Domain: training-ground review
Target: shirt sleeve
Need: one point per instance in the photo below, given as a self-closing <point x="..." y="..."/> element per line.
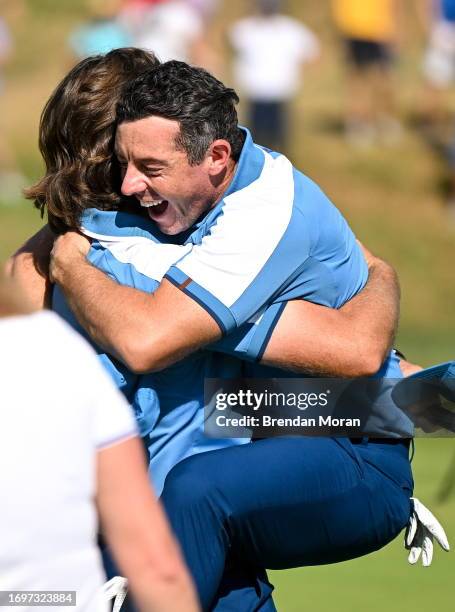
<point x="251" y="253"/>
<point x="105" y="412"/>
<point x="112" y="418"/>
<point x="250" y="340"/>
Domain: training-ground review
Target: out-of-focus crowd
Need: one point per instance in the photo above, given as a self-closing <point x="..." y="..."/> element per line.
<point x="269" y="49"/>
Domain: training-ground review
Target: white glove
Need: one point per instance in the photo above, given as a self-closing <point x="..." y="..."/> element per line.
<point x="423" y="526"/>
<point x="116" y="588"/>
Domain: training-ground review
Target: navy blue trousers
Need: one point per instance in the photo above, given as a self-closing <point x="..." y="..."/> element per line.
<point x="283" y="503"/>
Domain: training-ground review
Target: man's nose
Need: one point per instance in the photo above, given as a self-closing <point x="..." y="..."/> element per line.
<point x="133" y="182"/>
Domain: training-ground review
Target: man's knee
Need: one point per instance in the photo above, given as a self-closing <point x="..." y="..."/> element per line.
<point x="190" y="483"/>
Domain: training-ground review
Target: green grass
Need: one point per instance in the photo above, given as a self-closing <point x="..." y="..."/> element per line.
<point x="392" y="200"/>
<point x="17" y="222"/>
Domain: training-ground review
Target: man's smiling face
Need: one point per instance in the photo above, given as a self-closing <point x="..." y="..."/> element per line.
<point x="158" y="174"/>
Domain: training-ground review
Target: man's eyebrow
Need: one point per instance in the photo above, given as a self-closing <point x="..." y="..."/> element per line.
<point x="145" y="160"/>
<point x="152" y="160"/>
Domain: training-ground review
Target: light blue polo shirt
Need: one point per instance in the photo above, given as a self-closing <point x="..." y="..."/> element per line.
<point x="273" y="237"/>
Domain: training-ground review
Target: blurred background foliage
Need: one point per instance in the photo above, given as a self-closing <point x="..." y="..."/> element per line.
<point x="393" y="197"/>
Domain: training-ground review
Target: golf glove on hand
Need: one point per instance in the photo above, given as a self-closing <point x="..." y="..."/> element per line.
<point x="115" y="591"/>
<point x="422" y="529"/>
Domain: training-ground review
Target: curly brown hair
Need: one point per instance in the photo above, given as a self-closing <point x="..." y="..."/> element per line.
<point x="76" y="136"/>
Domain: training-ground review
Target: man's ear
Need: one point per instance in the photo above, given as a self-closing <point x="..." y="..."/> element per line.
<point x="218" y="156"/>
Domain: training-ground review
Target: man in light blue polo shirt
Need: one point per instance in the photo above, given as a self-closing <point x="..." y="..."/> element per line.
<point x="168" y="405"/>
<point x="264" y="234"/>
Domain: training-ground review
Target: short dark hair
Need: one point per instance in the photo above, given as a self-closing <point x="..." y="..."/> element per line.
<point x="203" y="106"/>
<point x="76" y="137"/>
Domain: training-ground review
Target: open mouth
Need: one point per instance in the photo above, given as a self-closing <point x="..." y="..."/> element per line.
<point x="155" y="209"/>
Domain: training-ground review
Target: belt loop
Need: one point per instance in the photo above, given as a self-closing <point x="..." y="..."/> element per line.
<point x="365" y="439"/>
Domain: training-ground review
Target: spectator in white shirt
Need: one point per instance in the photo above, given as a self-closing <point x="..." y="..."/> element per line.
<point x="69" y="449"/>
<point x="270" y="49"/>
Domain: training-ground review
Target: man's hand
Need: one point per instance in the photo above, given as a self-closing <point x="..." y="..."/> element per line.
<point x="68" y="249"/>
<point x="145" y="331"/>
<point x="115" y="589"/>
<point x="422" y="528"/>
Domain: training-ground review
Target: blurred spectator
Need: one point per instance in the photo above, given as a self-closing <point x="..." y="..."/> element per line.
<point x="5" y="44"/>
<point x="369" y="29"/>
<point x="450" y="202"/>
<point x="11" y="181"/>
<point x="5" y="51"/>
<point x="270" y="50"/>
<point x="206" y="8"/>
<point x="136" y="8"/>
<point x="172" y="29"/>
<point x="132" y="13"/>
<point x="438" y="20"/>
<point x="66" y="446"/>
<point x="102" y="33"/>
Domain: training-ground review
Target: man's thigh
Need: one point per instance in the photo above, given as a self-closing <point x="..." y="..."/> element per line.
<point x="287" y="502"/>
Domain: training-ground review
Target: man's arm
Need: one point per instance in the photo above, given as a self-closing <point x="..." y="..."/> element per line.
<point x="149" y="332"/>
<point x="351" y="341"/>
<point x="29" y="267"/>
<point x="146" y="332"/>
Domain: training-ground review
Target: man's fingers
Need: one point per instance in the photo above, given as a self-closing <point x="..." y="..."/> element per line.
<point x="439" y="534"/>
<point x="427" y="550"/>
<point x="68" y="248"/>
<point x="422" y="529"/>
<point x="411" y="530"/>
<point x="116" y="589"/>
<point x="114" y="586"/>
<point x="417" y="542"/>
<point x="431" y="523"/>
<point x="414" y="554"/>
